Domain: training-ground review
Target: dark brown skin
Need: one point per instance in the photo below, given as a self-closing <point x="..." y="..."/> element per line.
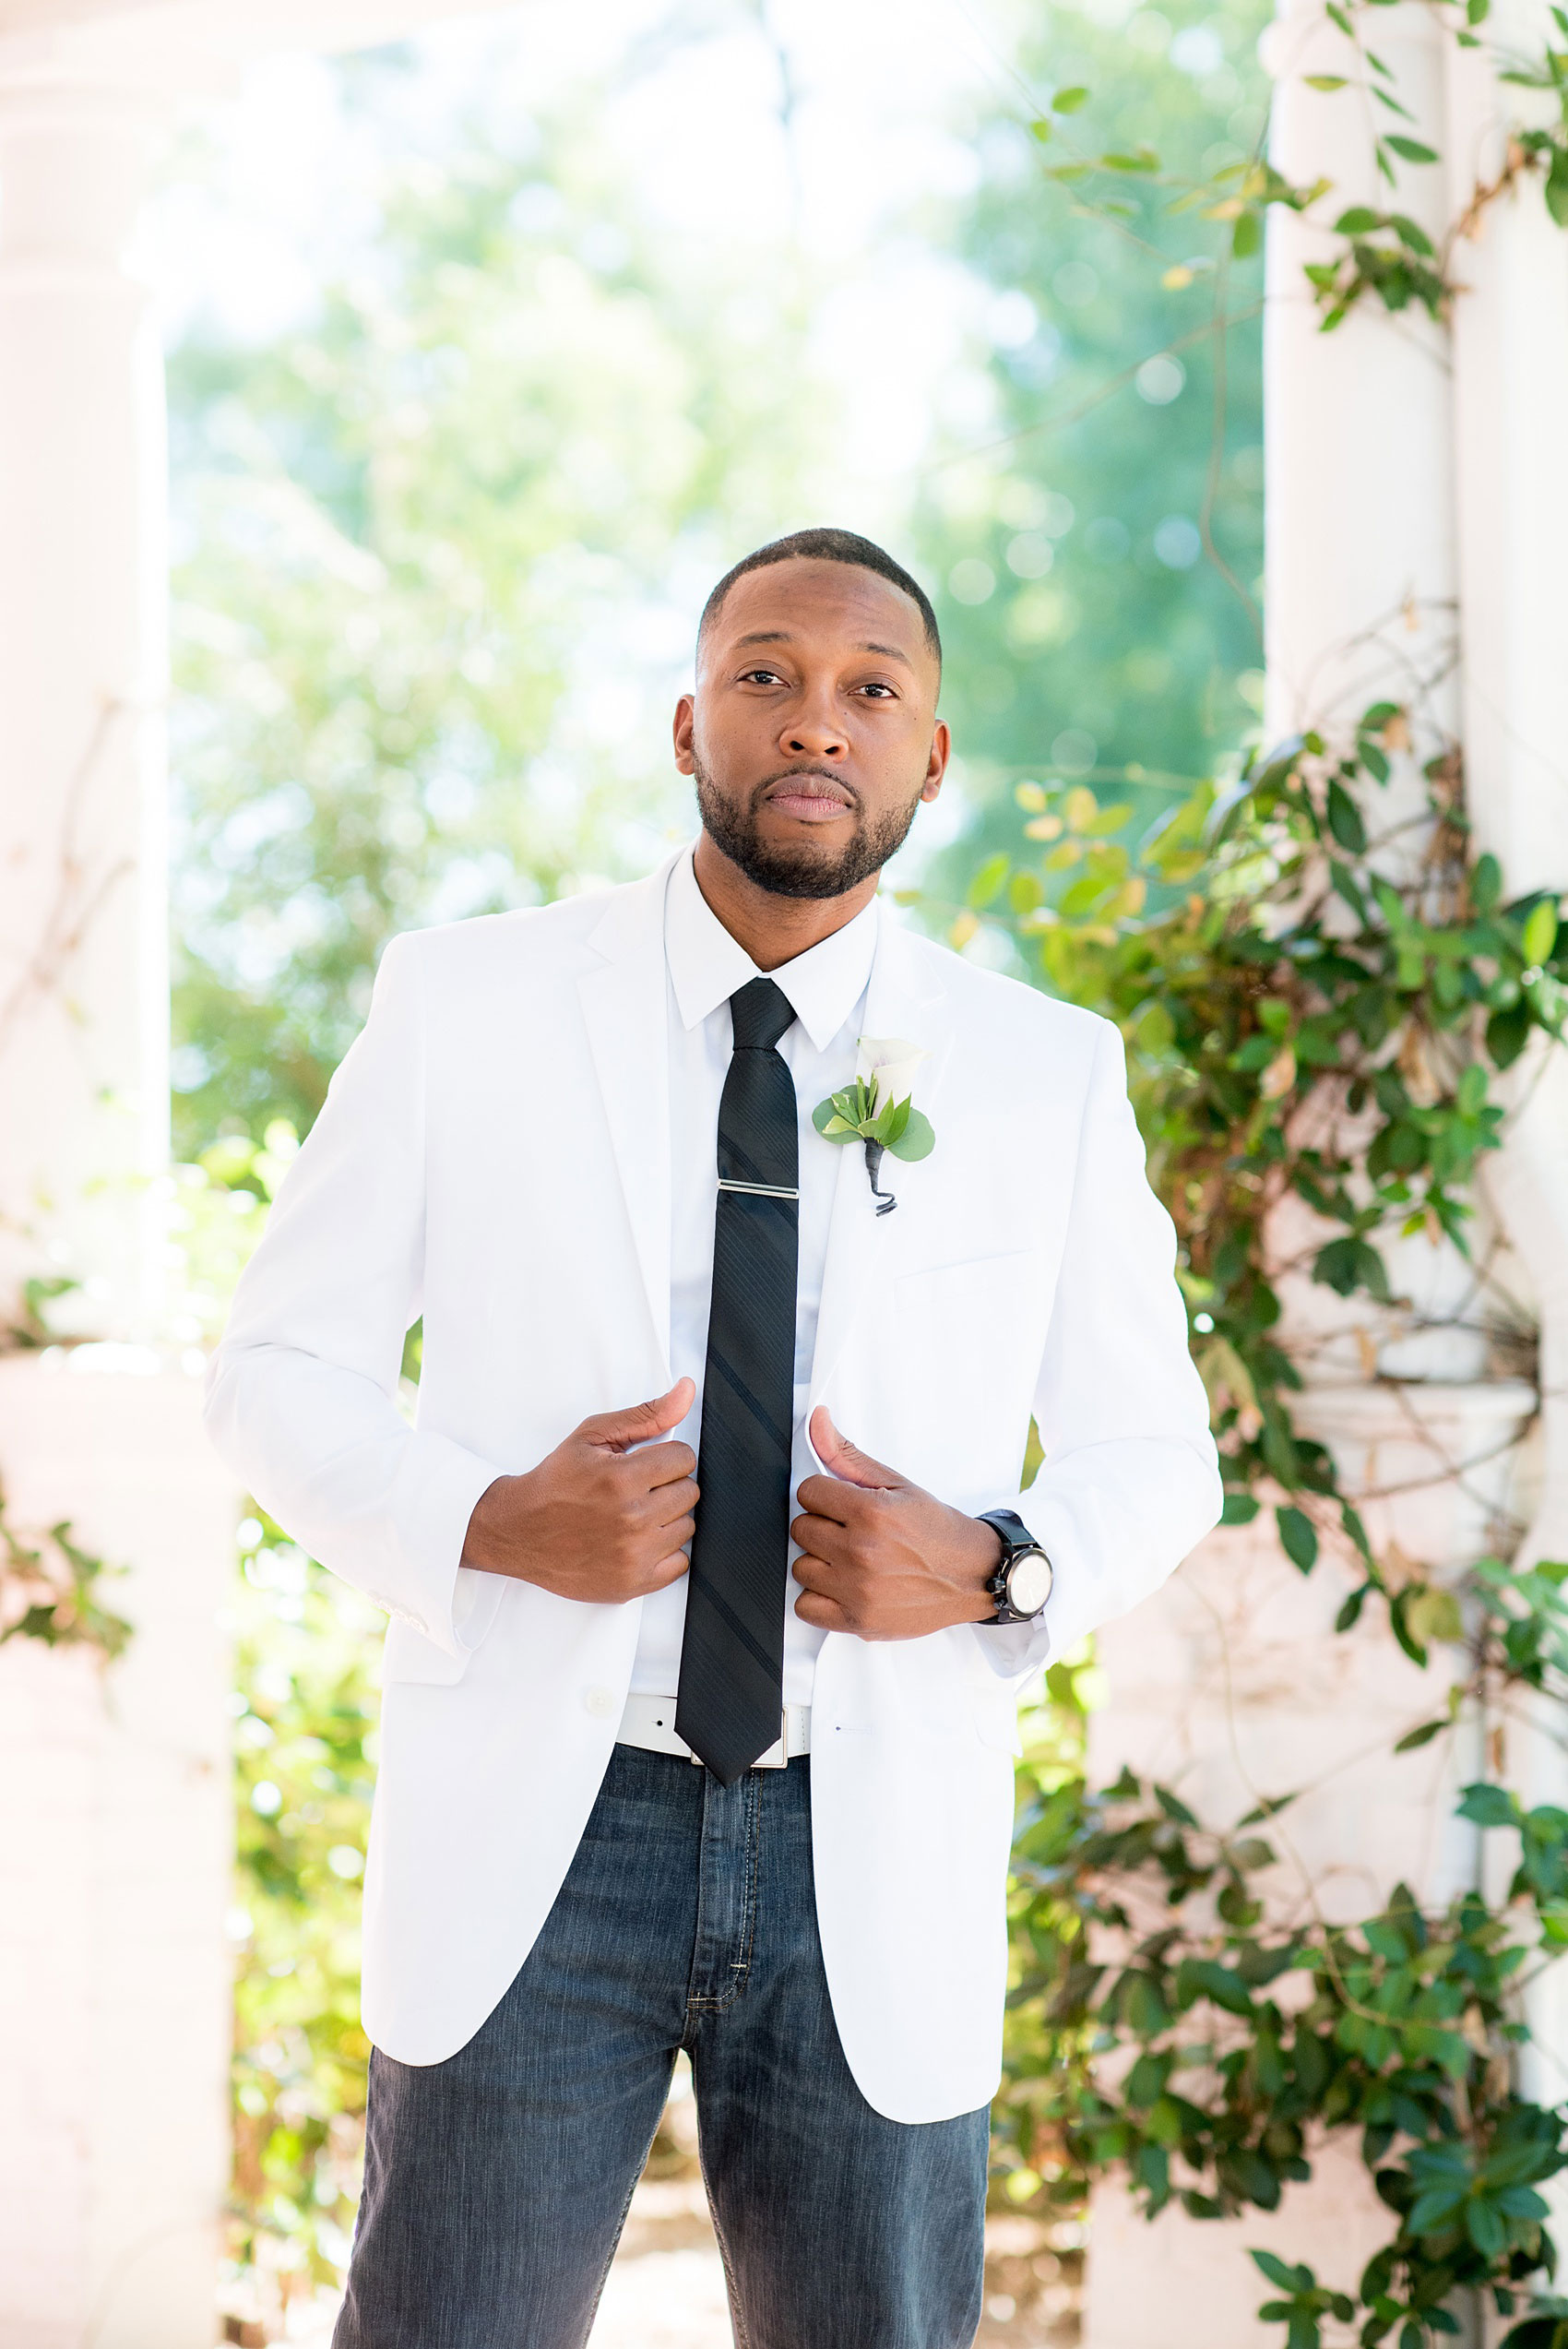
<point x="597" y="1519"/>
<point x="792" y="696"/>
<point x="815" y="706"/>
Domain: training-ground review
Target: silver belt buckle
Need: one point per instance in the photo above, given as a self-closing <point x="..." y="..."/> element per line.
<point x="776" y="1756"/>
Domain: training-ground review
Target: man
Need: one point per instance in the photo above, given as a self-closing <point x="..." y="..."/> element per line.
<point x="699" y="1710"/>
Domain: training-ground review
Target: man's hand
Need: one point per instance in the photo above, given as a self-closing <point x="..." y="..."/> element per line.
<point x="881" y="1558"/>
<point x="596" y="1520"/>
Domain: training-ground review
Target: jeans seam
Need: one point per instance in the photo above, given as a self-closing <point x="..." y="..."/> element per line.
<point x="700" y="2003"/>
<point x="754" y="1840"/>
<point x="621" y="2222"/>
<point x="737" y="2314"/>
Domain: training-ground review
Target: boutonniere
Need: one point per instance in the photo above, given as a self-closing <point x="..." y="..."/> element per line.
<point x="878" y="1109"/>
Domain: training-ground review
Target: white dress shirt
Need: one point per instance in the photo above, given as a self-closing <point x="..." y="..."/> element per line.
<point x="826" y="987"/>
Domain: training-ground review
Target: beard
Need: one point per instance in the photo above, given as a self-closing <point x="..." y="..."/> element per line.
<point x="731" y="825"/>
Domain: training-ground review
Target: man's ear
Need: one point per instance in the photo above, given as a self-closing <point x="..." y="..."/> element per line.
<point x="686" y="723"/>
<point x="936" y="764"/>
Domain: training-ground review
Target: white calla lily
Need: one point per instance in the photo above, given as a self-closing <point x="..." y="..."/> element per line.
<point x="887" y="1064"/>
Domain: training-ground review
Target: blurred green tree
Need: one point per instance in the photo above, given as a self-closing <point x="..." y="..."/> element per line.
<point x="446" y="542"/>
<point x="1097" y="545"/>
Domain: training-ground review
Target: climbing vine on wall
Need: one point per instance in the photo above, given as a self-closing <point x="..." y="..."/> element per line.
<point x="1300" y="1026"/>
<point x="1382" y="255"/>
<point x="1321" y="985"/>
<point x="50" y="1589"/>
<point x="1318" y="1006"/>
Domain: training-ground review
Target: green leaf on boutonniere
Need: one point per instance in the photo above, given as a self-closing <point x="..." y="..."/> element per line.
<point x="836" y="1118"/>
<point x="916" y="1137"/>
<point x="892" y="1122"/>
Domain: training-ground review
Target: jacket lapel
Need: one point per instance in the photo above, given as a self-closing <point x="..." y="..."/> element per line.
<point x="904" y="998"/>
<point x="624" y="1005"/>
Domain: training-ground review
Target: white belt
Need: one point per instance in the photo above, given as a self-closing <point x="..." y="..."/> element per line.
<point x="650" y="1722"/>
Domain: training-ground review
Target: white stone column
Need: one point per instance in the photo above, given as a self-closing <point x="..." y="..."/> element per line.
<point x="1358" y="517"/>
<point x="1416" y="503"/>
<point x="84" y="989"/>
<point x="116" y="1823"/>
<point x="115" y="1846"/>
<point x="1511" y="471"/>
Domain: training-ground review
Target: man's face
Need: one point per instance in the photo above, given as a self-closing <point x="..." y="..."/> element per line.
<point x="813" y="736"/>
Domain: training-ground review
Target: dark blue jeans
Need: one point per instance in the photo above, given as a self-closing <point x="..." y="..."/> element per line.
<point x="497" y="2183"/>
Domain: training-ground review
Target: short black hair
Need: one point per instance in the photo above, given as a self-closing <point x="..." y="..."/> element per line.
<point x="827" y="545"/>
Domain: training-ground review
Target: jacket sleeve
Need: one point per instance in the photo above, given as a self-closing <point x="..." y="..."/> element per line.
<point x="302" y="1394"/>
<point x="1130" y="1481"/>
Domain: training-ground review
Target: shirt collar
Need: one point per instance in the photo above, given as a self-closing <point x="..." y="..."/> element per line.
<point x="706" y="965"/>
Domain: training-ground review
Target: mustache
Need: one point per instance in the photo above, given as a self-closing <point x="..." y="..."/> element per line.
<point x="839" y="788"/>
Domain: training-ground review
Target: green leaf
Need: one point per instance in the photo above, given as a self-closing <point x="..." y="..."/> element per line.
<point x="1489" y="1805"/>
<point x="1433" y="1614"/>
<point x="1349" y="1614"/>
<point x="1486" y="883"/>
<point x="1041" y="128"/>
<point x="1421" y="1737"/>
<point x="1068" y="102"/>
<point x="1410" y="235"/>
<point x="1298" y="1537"/>
<point x="1325" y="81"/>
<point x="1540" y="932"/>
<point x="827" y="1120"/>
<point x="1411" y="150"/>
<point x="1557" y="187"/>
<point x="1344" y="820"/>
<point x="1288" y="2279"/>
<point x="1507" y="1034"/>
<point x="1356" y="221"/>
<point x="988" y="880"/>
<point x="1484" y="2225"/>
<point x="1246" y="236"/>
<point x="1350" y="1264"/>
<point x="893" y="1121"/>
<point x="1240" y="1509"/>
<point x="916" y="1140"/>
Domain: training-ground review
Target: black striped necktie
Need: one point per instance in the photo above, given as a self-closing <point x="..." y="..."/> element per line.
<point x="730" y="1704"/>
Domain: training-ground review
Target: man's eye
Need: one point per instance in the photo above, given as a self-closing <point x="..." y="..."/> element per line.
<point x="761" y="677"/>
<point x="886" y="691"/>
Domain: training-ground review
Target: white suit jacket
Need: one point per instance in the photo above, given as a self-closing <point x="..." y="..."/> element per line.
<point x="493" y="1153"/>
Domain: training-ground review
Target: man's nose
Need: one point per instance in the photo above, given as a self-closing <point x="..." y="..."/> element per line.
<point x="813" y="733"/>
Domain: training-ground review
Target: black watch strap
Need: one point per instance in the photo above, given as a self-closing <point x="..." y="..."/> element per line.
<point x="1016" y="1540"/>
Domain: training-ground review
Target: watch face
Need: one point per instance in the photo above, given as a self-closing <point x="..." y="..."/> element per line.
<point x="1029" y="1584"/>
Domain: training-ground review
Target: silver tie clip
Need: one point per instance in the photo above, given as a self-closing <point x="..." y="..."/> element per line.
<point x="758" y="1191"/>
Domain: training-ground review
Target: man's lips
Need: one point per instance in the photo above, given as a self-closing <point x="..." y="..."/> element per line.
<point x="808" y="798"/>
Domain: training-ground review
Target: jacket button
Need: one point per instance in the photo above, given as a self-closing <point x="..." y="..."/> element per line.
<point x="601" y="1703"/>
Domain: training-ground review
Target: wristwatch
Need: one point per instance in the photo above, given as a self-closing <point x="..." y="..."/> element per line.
<point x="1024" y="1574"/>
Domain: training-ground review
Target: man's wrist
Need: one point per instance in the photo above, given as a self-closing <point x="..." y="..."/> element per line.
<point x="979" y="1569"/>
<point x="485" y="1547"/>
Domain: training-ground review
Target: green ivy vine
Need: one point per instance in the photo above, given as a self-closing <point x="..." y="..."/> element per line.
<point x="1381" y="254"/>
<point x="1317" y="1006"/>
<point x="48" y="1590"/>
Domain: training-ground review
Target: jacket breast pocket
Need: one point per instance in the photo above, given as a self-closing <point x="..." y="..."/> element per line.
<point x="968" y="1342"/>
